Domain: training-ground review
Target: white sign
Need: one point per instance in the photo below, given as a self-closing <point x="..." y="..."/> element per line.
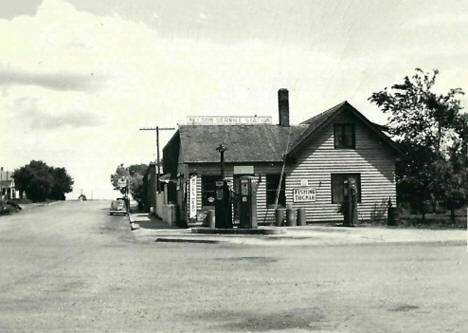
<point x="122" y="182"/>
<point x="228" y="120"/>
<point x="243" y="169"/>
<point x="193" y="197"/>
<point x="304" y="194"/>
<point x="304" y="182"/>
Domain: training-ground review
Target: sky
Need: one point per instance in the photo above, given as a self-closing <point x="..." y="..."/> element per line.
<point x="78" y="78"/>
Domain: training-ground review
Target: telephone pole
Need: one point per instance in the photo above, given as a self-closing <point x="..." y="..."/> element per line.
<point x="157" y="129"/>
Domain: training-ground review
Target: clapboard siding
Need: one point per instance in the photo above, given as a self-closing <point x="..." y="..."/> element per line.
<point x="319" y="159"/>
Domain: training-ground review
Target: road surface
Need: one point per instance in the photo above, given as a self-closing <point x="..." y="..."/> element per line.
<point x="70" y="267"/>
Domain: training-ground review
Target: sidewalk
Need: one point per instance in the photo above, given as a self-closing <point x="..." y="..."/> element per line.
<point x="153" y="229"/>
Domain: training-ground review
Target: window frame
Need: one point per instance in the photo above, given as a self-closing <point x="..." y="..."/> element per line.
<point x="344" y="176"/>
<point x="342" y="134"/>
<point x="269" y="188"/>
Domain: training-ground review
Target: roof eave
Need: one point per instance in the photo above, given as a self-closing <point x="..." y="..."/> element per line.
<point x="231" y="162"/>
<point x="345" y="105"/>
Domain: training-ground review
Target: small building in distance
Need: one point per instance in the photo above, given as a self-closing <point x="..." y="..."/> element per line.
<point x="7" y="186"/>
<point x="313" y="159"/>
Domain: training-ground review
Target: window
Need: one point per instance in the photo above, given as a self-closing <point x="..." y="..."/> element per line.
<point x="208" y="190"/>
<point x="337" y="181"/>
<point x="344" y="136"/>
<point x="272" y="182"/>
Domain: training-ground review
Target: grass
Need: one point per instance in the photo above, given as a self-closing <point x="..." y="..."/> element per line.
<point x="433" y="221"/>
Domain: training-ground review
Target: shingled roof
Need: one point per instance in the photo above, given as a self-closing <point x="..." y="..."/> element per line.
<point x="257" y="143"/>
<point x="245" y="143"/>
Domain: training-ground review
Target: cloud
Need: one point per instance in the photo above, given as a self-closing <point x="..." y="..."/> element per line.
<point x="154" y="74"/>
<point x="27" y="110"/>
<point x="10" y="9"/>
<point x="51" y="80"/>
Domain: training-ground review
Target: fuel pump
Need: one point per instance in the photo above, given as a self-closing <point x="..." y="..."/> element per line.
<point x="248" y="202"/>
<point x="223" y="209"/>
<point x="350" y="200"/>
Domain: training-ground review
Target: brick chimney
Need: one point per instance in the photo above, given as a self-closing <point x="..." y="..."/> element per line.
<point x="283" y="107"/>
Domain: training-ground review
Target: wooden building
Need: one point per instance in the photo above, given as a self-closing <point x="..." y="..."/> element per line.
<point x="7" y="186"/>
<point x="313" y="159"/>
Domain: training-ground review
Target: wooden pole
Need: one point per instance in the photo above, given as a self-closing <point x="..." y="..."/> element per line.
<point x="158" y="162"/>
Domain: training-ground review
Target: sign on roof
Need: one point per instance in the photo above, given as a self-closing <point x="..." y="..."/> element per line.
<point x="228" y="120"/>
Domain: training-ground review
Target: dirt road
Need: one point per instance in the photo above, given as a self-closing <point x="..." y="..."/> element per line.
<point x="70" y="267"/>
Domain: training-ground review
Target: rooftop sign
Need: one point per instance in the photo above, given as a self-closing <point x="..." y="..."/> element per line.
<point x="228" y="120"/>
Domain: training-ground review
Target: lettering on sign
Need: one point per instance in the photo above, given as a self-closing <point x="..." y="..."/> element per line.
<point x="228" y="120"/>
<point x="304" y="194"/>
<point x="193" y="197"/>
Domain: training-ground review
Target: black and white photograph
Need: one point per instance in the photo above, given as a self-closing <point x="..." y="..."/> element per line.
<point x="234" y="166"/>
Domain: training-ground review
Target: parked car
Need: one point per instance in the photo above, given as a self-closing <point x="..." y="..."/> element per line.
<point x="133" y="206"/>
<point x="118" y="207"/>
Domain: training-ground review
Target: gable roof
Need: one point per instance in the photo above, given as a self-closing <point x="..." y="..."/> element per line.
<point x="255" y="143"/>
<point x="316" y="123"/>
<point x="245" y="143"/>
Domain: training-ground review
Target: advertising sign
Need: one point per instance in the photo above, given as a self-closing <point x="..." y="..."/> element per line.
<point x="193" y="197"/>
<point x="304" y="194"/>
<point x="228" y="120"/>
<point x="243" y="169"/>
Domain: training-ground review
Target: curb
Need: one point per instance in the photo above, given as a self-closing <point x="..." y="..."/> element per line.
<point x="238" y="231"/>
<point x="187" y="240"/>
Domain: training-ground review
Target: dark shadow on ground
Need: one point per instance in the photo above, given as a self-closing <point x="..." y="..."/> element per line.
<point x="152" y="222"/>
<point x="310" y="319"/>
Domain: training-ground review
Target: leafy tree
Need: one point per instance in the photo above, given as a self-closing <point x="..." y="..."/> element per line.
<point x="42" y="182"/>
<point x="137" y="172"/>
<point x="453" y="189"/>
<point x="134" y="173"/>
<point x="120" y="173"/>
<point x="433" y="134"/>
<point x="62" y="183"/>
<point x="420" y="116"/>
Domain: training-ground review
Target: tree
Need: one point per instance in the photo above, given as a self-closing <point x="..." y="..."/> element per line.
<point x="120" y="173"/>
<point x="433" y="135"/>
<point x="62" y="183"/>
<point x="42" y="182"/>
<point x="453" y="190"/>
<point x="137" y="172"/>
<point x="134" y="173"/>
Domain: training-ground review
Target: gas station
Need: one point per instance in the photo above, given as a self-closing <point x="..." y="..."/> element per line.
<point x="240" y="172"/>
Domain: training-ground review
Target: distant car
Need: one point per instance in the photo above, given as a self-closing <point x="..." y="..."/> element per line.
<point x="117" y="207"/>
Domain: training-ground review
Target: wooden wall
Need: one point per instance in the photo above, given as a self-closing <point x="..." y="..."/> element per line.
<point x="319" y="159"/>
<point x="372" y="159"/>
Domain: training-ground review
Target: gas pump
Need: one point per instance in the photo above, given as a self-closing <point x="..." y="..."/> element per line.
<point x="248" y="202"/>
<point x="223" y="209"/>
<point x="350" y="200"/>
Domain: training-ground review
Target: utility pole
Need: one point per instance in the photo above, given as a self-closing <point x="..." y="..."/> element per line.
<point x="158" y="162"/>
